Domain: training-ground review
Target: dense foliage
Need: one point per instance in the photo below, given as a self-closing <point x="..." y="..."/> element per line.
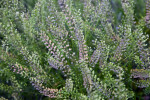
<point x="71" y="50"/>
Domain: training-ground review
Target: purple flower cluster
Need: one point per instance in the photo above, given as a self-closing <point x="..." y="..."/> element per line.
<point x="83" y="56"/>
<point x="57" y="60"/>
<point x="52" y="93"/>
<point x="99" y="54"/>
<point x="139" y="73"/>
<point x="88" y="83"/>
<point x="36" y="82"/>
<point x="70" y="21"/>
<point x="19" y="69"/>
<point x="120" y="49"/>
<point x="147" y="18"/>
<point x="144" y="53"/>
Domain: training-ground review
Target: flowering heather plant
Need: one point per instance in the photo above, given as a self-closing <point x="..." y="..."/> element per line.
<point x="71" y="51"/>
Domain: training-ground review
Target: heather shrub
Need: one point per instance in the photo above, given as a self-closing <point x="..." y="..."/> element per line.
<point x="71" y="50"/>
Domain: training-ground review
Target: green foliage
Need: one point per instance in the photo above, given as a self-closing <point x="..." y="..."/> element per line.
<point x="77" y="51"/>
<point x="147" y="90"/>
